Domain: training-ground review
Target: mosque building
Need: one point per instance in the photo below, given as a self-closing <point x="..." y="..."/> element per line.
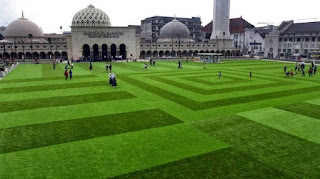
<point x="92" y="36"/>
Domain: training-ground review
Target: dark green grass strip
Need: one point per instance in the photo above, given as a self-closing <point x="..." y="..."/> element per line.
<point x="297" y="157"/>
<point x="226" y="163"/>
<point x="63" y="101"/>
<point x="52" y="87"/>
<point x="41" y="135"/>
<point x="306" y="109"/>
<point x="197" y="106"/>
<point x="216" y="91"/>
<point x="46" y="78"/>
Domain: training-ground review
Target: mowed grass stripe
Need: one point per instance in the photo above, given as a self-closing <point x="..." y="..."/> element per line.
<point x="297" y="157"/>
<point x="226" y="163"/>
<point x="41" y="135"/>
<point x="46" y="78"/>
<point x="63" y="101"/>
<point x="292" y="123"/>
<point x="110" y="156"/>
<point x="197" y="106"/>
<point x="52" y="87"/>
<point x="306" y="109"/>
<point x="216" y="91"/>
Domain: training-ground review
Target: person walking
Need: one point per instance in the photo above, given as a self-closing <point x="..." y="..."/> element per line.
<point x="315" y="68"/>
<point x="110" y="67"/>
<point x="54" y="64"/>
<point x="110" y="79"/>
<point x="66" y="74"/>
<point x="70" y="74"/>
<point x="114" y="80"/>
<point x="107" y="68"/>
<point x="250" y="74"/>
<point x="220" y="74"/>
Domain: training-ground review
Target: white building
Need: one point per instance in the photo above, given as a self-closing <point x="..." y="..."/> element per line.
<point x="293" y="38"/>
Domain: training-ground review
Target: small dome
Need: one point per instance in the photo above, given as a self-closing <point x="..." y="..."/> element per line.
<point x="22" y="28"/>
<point x="91" y="17"/>
<point x="175" y="29"/>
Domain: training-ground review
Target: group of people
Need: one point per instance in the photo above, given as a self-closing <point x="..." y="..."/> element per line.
<point x="68" y="74"/>
<point x="152" y="62"/>
<point x="301" y="67"/>
<point x="108" y="67"/>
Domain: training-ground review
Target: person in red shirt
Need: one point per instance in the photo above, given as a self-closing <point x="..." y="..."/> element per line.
<point x="66" y="74"/>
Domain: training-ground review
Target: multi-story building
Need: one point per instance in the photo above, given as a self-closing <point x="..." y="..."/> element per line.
<point x="150" y="27"/>
<point x="293" y="38"/>
<point x="246" y="37"/>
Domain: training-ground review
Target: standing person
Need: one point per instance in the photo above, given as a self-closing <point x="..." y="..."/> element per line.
<point x="110" y="79"/>
<point x="285" y="69"/>
<point x="310" y="72"/>
<point x="90" y="67"/>
<point x="110" y="67"/>
<point x="70" y="74"/>
<point x="204" y="66"/>
<point x="66" y="67"/>
<point x="54" y="64"/>
<point x="72" y="66"/>
<point x="250" y="74"/>
<point x="66" y="74"/>
<point x="150" y="60"/>
<point x="107" y="67"/>
<point x="114" y="80"/>
<point x="303" y="72"/>
<point x="154" y="63"/>
<point x="145" y="66"/>
<point x="291" y="72"/>
<point x="315" y="68"/>
<point x="179" y="65"/>
<point x="220" y="74"/>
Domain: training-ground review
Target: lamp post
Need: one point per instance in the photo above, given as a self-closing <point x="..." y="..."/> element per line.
<point x="23" y="56"/>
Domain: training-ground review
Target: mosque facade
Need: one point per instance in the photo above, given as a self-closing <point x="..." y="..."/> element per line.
<point x="92" y="36"/>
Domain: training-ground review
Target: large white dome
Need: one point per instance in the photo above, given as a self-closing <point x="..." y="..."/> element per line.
<point x="22" y="28"/>
<point x="91" y="17"/>
<point x="174" y="29"/>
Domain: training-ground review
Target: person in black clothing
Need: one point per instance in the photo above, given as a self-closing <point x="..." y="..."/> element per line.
<point x="110" y="68"/>
<point x="250" y="74"/>
<point x="179" y="65"/>
<point x="70" y="74"/>
<point x="107" y="68"/>
<point x="90" y="67"/>
<point x="154" y="63"/>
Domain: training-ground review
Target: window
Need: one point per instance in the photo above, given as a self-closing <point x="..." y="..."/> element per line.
<point x="299" y="39"/>
<point x="307" y="39"/>
<point x="313" y="39"/>
<point x="280" y="40"/>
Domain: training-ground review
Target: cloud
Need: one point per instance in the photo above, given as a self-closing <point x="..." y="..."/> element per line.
<point x="8" y="12"/>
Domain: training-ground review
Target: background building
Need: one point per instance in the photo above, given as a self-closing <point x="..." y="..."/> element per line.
<point x="293" y="38"/>
<point x="151" y="27"/>
<point x="2" y="29"/>
<point x="23" y="39"/>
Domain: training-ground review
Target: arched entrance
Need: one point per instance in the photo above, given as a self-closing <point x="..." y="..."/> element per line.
<point x="28" y="55"/>
<point x="57" y="55"/>
<point x="36" y="55"/>
<point x="155" y="54"/>
<point x="113" y="51"/>
<point x="161" y="54"/>
<point x="86" y="50"/>
<point x="167" y="54"/>
<point x="123" y="51"/>
<point x="64" y="55"/>
<point x="43" y="55"/>
<point x="190" y="53"/>
<point x="20" y="55"/>
<point x="142" y="54"/>
<point x="104" y="51"/>
<point x="185" y="53"/>
<point x="50" y="55"/>
<point x="96" y="51"/>
<point x="13" y="55"/>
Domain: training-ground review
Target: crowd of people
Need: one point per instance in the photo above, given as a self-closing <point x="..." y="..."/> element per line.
<point x="301" y="67"/>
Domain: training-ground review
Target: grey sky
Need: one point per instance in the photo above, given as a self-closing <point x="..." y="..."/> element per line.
<point x="50" y="14"/>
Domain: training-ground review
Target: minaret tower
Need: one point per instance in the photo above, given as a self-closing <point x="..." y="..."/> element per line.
<point x="221" y="20"/>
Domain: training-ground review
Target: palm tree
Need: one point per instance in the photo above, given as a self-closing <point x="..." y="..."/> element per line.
<point x="31" y="36"/>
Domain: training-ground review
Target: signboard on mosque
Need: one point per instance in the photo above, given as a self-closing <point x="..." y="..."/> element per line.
<point x="103" y="34"/>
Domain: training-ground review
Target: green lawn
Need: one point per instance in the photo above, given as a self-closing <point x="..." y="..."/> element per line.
<point x="161" y="122"/>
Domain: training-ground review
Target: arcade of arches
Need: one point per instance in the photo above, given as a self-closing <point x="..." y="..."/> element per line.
<point x="104" y="51"/>
<point x="33" y="55"/>
<point x="185" y="53"/>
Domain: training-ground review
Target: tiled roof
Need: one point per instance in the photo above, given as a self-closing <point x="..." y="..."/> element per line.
<point x="303" y="28"/>
<point x="236" y="25"/>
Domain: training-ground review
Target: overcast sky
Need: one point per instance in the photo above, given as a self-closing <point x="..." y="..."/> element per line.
<point x="51" y="14"/>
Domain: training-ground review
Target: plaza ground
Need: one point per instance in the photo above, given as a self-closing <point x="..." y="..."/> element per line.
<point x="160" y="122"/>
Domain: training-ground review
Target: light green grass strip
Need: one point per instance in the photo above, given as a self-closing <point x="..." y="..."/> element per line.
<point x="110" y="156"/>
<point x="291" y="123"/>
